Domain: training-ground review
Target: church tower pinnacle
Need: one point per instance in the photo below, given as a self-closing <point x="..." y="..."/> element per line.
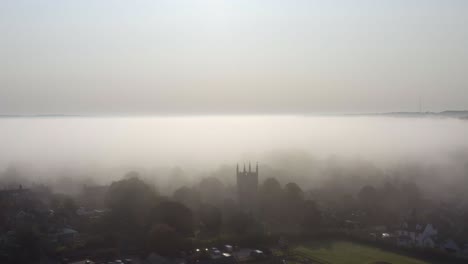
<point x="247" y="188"/>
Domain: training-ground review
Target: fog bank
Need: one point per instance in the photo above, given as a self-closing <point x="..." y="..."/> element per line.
<point x="299" y="146"/>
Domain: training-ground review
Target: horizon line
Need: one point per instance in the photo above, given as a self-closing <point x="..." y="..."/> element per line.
<point x="230" y="114"/>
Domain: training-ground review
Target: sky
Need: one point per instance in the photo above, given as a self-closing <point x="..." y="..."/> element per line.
<point x="232" y="56"/>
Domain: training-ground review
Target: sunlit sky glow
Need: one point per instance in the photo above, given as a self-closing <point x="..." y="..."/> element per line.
<point x="232" y="56"/>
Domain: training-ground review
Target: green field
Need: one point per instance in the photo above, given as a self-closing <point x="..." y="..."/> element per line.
<point x="341" y="252"/>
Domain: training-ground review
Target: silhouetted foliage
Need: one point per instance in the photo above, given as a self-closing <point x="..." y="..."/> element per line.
<point x="293" y="192"/>
<point x="212" y="191"/>
<point x="312" y="218"/>
<point x="271" y="187"/>
<point x="173" y="214"/>
<point x="240" y="222"/>
<point x="165" y="240"/>
<point x="131" y="199"/>
<point x="211" y="220"/>
<point x="25" y="248"/>
<point x="187" y="196"/>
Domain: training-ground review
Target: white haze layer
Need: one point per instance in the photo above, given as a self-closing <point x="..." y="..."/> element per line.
<point x="206" y="142"/>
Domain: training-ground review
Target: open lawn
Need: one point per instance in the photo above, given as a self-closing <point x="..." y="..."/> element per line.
<point x="341" y="252"/>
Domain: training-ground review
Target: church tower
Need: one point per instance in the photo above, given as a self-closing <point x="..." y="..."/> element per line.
<point x="247" y="189"/>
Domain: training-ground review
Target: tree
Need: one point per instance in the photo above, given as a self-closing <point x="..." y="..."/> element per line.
<point x="212" y="190"/>
<point x="187" y="196"/>
<point x="292" y="205"/>
<point x="293" y="191"/>
<point x="64" y="206"/>
<point x="177" y="177"/>
<point x="26" y="248"/>
<point x="391" y="203"/>
<point x="367" y="195"/>
<point x="11" y="178"/>
<point x="271" y="186"/>
<point x="130" y="198"/>
<point x="131" y="201"/>
<point x="164" y="240"/>
<point x="240" y="222"/>
<point x="210" y="217"/>
<point x="311" y="216"/>
<point x="174" y="214"/>
<point x="369" y="200"/>
<point x="131" y="175"/>
<point x="271" y="196"/>
<point x="69" y="207"/>
<point x="411" y="194"/>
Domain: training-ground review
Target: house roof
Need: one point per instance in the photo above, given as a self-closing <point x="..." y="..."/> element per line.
<point x="450" y="244"/>
<point x="66" y="231"/>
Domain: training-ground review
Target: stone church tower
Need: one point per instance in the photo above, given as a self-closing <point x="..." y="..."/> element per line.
<point x="247" y="189"/>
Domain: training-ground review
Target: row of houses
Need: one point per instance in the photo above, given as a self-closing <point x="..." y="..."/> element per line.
<point x="425" y="237"/>
<point x="428" y="237"/>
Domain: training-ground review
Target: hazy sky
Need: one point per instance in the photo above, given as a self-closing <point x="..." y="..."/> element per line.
<point x="232" y="56"/>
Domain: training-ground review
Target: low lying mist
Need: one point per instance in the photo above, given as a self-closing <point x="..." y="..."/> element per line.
<point x="175" y="151"/>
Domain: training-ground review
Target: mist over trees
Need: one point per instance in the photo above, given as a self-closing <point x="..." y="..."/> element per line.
<point x="233" y="132"/>
<point x="179" y="210"/>
<point x="339" y="173"/>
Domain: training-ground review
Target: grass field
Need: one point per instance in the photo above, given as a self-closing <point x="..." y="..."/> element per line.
<point x="341" y="252"/>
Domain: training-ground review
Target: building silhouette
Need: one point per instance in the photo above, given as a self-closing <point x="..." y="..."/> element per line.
<point x="247" y="189"/>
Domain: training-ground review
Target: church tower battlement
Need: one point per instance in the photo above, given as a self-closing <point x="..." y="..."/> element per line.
<point x="247" y="188"/>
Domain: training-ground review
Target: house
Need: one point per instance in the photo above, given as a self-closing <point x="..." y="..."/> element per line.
<point x="91" y="214"/>
<point x="11" y="202"/>
<point x="426" y="238"/>
<point x="465" y="251"/>
<point x="450" y="246"/>
<point x="353" y="225"/>
<point x="409" y="236"/>
<point x="64" y="236"/>
<point x="406" y="236"/>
